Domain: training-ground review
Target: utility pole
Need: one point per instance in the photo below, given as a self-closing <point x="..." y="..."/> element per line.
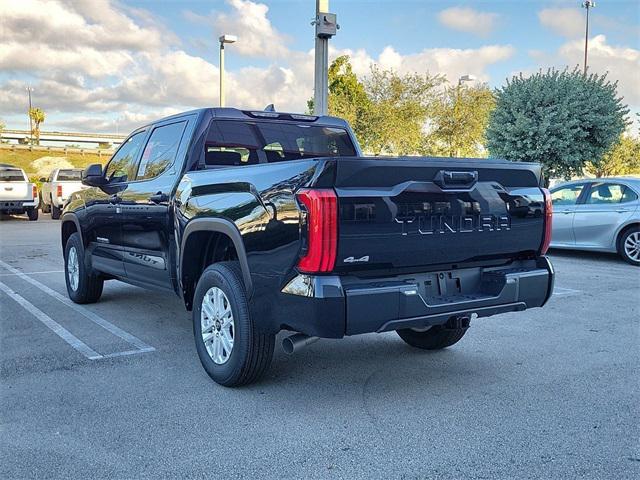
<point x="588" y="4"/>
<point x="29" y="90"/>
<point x="224" y="39"/>
<point x="326" y="27"/>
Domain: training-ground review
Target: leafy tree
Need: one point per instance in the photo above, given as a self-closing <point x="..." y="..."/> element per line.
<point x="560" y="119"/>
<point x="347" y="96"/>
<point x="399" y="108"/>
<point x="38" y="116"/>
<point x="621" y="159"/>
<point x="459" y="121"/>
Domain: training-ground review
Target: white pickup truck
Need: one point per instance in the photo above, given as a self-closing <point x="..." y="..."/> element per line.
<point x="17" y="194"/>
<point x="57" y="189"/>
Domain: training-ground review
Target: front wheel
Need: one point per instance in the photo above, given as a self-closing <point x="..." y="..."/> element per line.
<point x="629" y="246"/>
<point x="231" y="349"/>
<point x="32" y="213"/>
<point x="433" y="338"/>
<point x="82" y="285"/>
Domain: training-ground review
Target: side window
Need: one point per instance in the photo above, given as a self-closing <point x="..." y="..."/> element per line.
<point x="628" y="196"/>
<point x="122" y="166"/>
<point x="567" y="195"/>
<point x="160" y="151"/>
<point x="605" y="193"/>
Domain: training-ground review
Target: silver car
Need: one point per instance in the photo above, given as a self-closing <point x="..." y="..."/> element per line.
<point x="601" y="214"/>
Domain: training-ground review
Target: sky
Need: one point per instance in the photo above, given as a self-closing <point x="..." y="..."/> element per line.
<point x="112" y="65"/>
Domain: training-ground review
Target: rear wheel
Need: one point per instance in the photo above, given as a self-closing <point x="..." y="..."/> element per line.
<point x="629" y="246"/>
<point x="435" y="337"/>
<point x="231" y="349"/>
<point x="82" y="286"/>
<point x="32" y="213"/>
<point x="55" y="211"/>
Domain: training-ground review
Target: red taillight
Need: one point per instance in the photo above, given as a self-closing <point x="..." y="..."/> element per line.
<point x="59" y="191"/>
<point x="322" y="230"/>
<point x="34" y="191"/>
<point x="548" y="214"/>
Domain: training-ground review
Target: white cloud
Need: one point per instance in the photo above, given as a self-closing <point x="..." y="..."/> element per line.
<point x="469" y="20"/>
<point x="568" y="22"/>
<point x="98" y="65"/>
<point x="248" y="21"/>
<point x="451" y="62"/>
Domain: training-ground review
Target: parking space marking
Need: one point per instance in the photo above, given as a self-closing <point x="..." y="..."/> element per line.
<point x="557" y="291"/>
<point x="58" y="329"/>
<point x="141" y="347"/>
<point x="30" y="273"/>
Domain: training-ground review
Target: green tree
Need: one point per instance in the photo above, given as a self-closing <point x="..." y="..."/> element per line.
<point x="623" y="158"/>
<point x="562" y="119"/>
<point x="38" y="116"/>
<point x="459" y="122"/>
<point x="398" y="111"/>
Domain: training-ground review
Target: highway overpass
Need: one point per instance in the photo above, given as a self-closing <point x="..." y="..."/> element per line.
<point x="66" y="137"/>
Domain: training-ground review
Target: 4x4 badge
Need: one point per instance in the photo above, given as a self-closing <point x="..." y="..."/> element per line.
<point x="356" y="260"/>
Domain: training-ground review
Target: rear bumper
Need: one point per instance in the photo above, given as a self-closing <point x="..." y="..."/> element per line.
<point x="17" y="205"/>
<point x="334" y="306"/>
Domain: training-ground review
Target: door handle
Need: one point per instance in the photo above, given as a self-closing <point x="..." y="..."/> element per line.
<point x="159" y="198"/>
<point x="567" y="211"/>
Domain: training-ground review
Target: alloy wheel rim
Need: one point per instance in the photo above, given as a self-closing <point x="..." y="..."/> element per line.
<point x="73" y="270"/>
<point x="632" y="246"/>
<point x="217" y="325"/>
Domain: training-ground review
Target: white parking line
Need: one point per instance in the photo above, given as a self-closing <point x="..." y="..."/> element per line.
<point x="30" y="273"/>
<point x="58" y="329"/>
<point x="141" y="347"/>
<point x="557" y="291"/>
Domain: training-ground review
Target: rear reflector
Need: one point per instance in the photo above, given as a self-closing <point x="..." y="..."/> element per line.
<point x="59" y="191"/>
<point x="548" y="215"/>
<point x="34" y="192"/>
<point x="322" y="230"/>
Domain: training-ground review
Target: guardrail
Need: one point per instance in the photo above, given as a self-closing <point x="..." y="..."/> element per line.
<point x="38" y="148"/>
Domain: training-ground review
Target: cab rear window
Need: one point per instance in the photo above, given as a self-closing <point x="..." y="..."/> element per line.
<point x="12" y="175"/>
<point x="69" y="175"/>
<point x="235" y="143"/>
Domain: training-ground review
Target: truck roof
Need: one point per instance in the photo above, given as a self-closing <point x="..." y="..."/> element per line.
<point x="248" y="114"/>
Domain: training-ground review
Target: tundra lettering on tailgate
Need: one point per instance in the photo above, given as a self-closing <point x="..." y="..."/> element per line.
<point x="434" y="224"/>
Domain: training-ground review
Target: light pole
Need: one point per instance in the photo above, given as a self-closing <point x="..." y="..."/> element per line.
<point x="326" y="27"/>
<point x="461" y="80"/>
<point x="29" y="90"/>
<point x="466" y="78"/>
<point x="588" y="4"/>
<point x="224" y="39"/>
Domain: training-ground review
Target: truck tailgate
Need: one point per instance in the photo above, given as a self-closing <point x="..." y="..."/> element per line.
<point x="11" y="191"/>
<point x="416" y="212"/>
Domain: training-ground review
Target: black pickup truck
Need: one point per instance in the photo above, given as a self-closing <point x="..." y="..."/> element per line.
<point x="263" y="221"/>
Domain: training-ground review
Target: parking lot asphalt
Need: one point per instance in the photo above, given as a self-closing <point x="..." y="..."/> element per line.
<point x="547" y="393"/>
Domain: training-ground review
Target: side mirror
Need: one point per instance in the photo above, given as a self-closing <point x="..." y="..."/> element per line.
<point x="93" y="176"/>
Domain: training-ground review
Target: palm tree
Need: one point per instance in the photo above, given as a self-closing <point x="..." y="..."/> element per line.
<point x="38" y="116"/>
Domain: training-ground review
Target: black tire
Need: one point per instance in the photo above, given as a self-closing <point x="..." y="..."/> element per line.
<point x="32" y="213"/>
<point x="252" y="350"/>
<point x="629" y="235"/>
<point x="435" y="338"/>
<point x="55" y="211"/>
<point x="89" y="287"/>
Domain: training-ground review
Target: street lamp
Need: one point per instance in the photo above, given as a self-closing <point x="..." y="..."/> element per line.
<point x="587" y="4"/>
<point x="29" y="90"/>
<point x="461" y="80"/>
<point x="466" y="78"/>
<point x="224" y="39"/>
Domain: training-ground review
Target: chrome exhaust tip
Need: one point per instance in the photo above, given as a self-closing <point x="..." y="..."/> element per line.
<point x="297" y="341"/>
